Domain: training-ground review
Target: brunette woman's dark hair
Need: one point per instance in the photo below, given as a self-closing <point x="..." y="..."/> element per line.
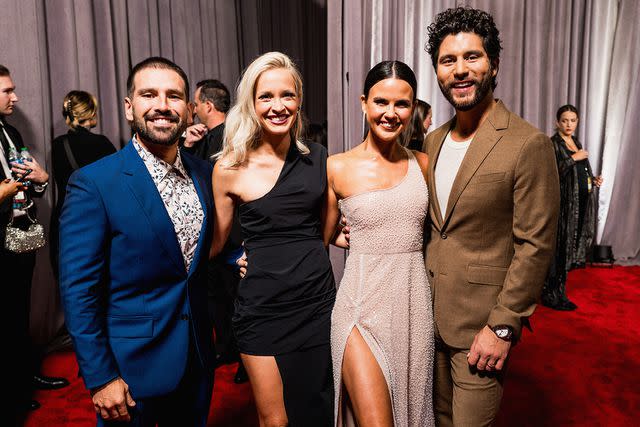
<point x="566" y="108"/>
<point x="387" y="70"/>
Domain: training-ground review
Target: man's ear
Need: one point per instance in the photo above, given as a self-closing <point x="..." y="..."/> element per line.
<point x="210" y="106"/>
<point x="128" y="109"/>
<point x="495" y="65"/>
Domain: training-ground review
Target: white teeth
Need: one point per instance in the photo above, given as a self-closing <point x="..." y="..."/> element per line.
<point x="278" y="120"/>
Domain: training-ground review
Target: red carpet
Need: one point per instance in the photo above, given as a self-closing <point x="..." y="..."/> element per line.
<point x="578" y="369"/>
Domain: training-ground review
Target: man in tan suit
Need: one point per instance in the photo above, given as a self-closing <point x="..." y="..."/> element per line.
<point x="494" y="207"/>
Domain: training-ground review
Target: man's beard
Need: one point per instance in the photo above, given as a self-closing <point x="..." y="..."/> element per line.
<point x="482" y="89"/>
<point x="156" y="137"/>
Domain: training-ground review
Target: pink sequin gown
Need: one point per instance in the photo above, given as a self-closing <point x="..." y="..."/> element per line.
<point x="385" y="294"/>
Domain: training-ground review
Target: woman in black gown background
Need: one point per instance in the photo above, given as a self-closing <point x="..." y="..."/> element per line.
<point x="73" y="150"/>
<point x="283" y="310"/>
<point x="578" y="202"/>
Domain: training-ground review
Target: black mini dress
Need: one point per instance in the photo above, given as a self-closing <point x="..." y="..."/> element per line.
<point x="285" y="301"/>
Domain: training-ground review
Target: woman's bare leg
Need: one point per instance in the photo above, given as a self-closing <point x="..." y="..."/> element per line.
<point x="365" y="383"/>
<point x="267" y="389"/>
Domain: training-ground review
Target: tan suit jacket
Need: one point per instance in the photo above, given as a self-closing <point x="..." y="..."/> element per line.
<point x="489" y="253"/>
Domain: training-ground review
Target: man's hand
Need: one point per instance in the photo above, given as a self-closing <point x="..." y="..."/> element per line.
<point x="111" y="401"/>
<point x="488" y="352"/>
<point x="9" y="188"/>
<point x="37" y="174"/>
<point x="194" y="134"/>
<point x="341" y="239"/>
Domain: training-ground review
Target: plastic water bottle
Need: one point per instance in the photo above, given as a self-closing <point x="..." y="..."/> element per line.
<point x="20" y="199"/>
<point x="13" y="155"/>
<point x="25" y="155"/>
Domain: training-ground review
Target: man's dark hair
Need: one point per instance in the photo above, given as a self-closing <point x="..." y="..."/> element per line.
<point x="216" y="92"/>
<point x="390" y="69"/>
<point x="4" y="71"/>
<point x="159" y="63"/>
<point x="464" y="20"/>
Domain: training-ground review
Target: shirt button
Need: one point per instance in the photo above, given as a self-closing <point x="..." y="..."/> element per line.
<point x="444" y="236"/>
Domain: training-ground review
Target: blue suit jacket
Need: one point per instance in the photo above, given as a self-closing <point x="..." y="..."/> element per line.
<point x="130" y="305"/>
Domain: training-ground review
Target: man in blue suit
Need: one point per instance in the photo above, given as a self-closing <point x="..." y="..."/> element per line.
<point x="135" y="232"/>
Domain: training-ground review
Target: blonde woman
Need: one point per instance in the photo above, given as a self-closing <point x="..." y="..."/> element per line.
<point x="278" y="184"/>
<point x="73" y="150"/>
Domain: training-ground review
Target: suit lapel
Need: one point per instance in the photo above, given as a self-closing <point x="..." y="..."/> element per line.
<point x="202" y="190"/>
<point x="144" y="190"/>
<point x="439" y="137"/>
<point x="486" y="138"/>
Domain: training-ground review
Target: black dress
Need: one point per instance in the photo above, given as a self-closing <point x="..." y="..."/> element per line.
<point x="576" y="223"/>
<point x="86" y="147"/>
<point x="284" y="302"/>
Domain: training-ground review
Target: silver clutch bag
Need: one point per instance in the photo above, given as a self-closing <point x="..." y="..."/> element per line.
<point x="22" y="241"/>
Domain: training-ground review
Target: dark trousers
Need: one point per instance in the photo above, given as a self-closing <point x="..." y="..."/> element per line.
<point x="222" y="291"/>
<point x="186" y="406"/>
<point x="17" y="272"/>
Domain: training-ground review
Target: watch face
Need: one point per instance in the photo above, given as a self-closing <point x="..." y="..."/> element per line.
<point x="502" y="333"/>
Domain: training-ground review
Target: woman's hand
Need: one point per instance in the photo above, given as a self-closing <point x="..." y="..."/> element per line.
<point x="9" y="188"/>
<point x="242" y="264"/>
<point x="597" y="180"/>
<point x="580" y="155"/>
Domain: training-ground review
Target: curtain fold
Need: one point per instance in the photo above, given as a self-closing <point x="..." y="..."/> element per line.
<point x="554" y="53"/>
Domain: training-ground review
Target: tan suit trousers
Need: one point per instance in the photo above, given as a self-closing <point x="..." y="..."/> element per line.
<point x="464" y="397"/>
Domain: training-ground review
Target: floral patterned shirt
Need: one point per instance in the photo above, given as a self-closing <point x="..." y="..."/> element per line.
<point x="180" y="198"/>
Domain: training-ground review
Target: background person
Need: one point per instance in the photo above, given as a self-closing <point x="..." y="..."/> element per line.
<point x="418" y="126"/>
<point x="73" y="150"/>
<point x="578" y="203"/>
<point x="16" y="269"/>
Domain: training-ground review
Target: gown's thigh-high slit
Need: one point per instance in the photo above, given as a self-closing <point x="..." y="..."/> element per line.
<point x="382" y="364"/>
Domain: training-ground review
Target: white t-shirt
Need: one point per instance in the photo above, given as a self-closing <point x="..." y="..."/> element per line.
<point x="447" y="165"/>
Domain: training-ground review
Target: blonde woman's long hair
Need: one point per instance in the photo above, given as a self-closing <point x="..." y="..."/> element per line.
<point x="242" y="130"/>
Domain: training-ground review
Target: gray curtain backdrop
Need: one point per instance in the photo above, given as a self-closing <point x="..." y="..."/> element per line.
<point x="54" y="46"/>
<point x="555" y="52"/>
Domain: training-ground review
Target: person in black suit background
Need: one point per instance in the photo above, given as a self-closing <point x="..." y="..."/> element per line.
<point x="211" y="103"/>
<point x="16" y="269"/>
<point x="73" y="150"/>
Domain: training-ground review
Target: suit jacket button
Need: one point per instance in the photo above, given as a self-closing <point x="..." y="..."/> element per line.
<point x="443" y="236"/>
<point x="184" y="317"/>
<point x="430" y="273"/>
